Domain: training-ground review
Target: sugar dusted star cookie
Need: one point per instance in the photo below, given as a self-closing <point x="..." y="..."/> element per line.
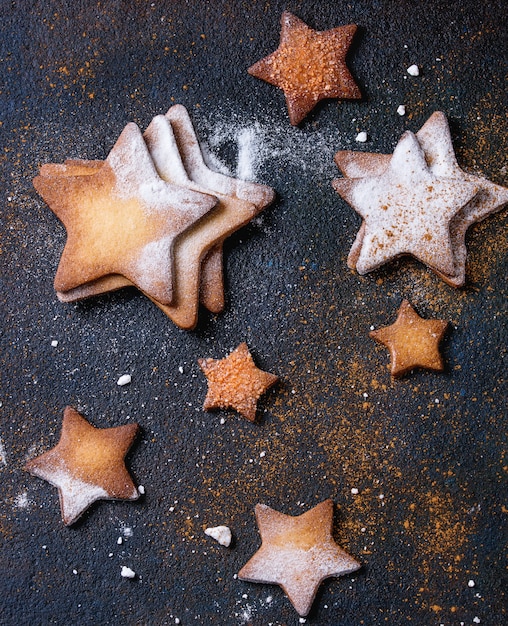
<point x="235" y="382"/>
<point x="87" y="465"/>
<point x="413" y="342"/>
<point x="406" y="209"/>
<point x="309" y="66"/>
<point x="297" y="553"/>
<point x="435" y="140"/>
<point x="122" y="219"/>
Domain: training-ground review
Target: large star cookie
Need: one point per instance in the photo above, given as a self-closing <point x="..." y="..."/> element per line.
<point x="235" y="382"/>
<point x="122" y="219"/>
<point x="87" y="465"/>
<point x="435" y="140"/>
<point x="198" y="274"/>
<point x="308" y="66"/>
<point x="407" y="209"/>
<point x="413" y="342"/>
<point x="297" y="553"/>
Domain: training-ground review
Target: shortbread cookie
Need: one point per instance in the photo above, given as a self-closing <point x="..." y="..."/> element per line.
<point x="407" y="210"/>
<point x="297" y="553"/>
<point x="123" y="219"/>
<point x="87" y="465"/>
<point x="235" y="382"/>
<point x="413" y="342"/>
<point x="308" y="66"/>
<point x="435" y="140"/>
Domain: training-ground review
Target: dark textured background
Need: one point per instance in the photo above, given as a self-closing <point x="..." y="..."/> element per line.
<point x="72" y="75"/>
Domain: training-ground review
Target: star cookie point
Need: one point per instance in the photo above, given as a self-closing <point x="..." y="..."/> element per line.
<point x="297" y="553"/>
<point x="235" y="382"/>
<point x="87" y="465"/>
<point x="309" y="66"/>
<point x="413" y="342"/>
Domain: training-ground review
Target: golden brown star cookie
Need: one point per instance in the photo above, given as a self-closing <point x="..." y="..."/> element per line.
<point x="122" y="219"/>
<point x="412" y="341"/>
<point x="297" y="553"/>
<point x="308" y="66"/>
<point x="87" y="465"/>
<point x="235" y="382"/>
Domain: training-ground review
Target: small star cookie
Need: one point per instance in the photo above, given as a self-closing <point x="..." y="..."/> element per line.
<point x="412" y="341"/>
<point x="87" y="465"/>
<point x="308" y="66"/>
<point x="297" y="553"/>
<point x="235" y="382"/>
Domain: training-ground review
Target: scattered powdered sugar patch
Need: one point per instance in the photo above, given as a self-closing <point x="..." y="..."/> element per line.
<point x="21" y="501"/>
<point x="259" y="143"/>
<point x="221" y="534"/>
<point x="3" y="456"/>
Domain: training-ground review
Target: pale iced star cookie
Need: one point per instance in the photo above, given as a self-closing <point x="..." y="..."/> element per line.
<point x="435" y="140"/>
<point x="297" y="553"/>
<point x="123" y="219"/>
<point x="87" y="465"/>
<point x="406" y="209"/>
<point x="308" y="66"/>
<point x="235" y="382"/>
<point x="413" y="342"/>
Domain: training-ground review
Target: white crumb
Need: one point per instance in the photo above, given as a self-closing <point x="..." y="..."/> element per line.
<point x="401" y="110"/>
<point x="119" y="541"/>
<point x="125" y="379"/>
<point x="141" y="490"/>
<point x="354" y="491"/>
<point x="127" y="572"/>
<point x="180" y="369"/>
<point x="470" y="583"/>
<point x="361" y="137"/>
<point x="413" y="70"/>
<point x="476" y="620"/>
<point x="54" y="343"/>
<point x="221" y="534"/>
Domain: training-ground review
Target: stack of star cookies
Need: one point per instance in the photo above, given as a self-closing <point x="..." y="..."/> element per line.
<point x="152" y="215"/>
<point x="417" y="201"/>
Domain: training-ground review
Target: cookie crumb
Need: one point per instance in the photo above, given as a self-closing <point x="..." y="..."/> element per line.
<point x="141" y="490"/>
<point x="401" y="110"/>
<point x="221" y="534"/>
<point x="54" y="343"/>
<point x="413" y="70"/>
<point x="361" y="137"/>
<point x="127" y="572"/>
<point x="125" y="379"/>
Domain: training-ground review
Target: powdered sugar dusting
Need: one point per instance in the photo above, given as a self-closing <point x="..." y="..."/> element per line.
<point x="3" y="456"/>
<point x="75" y="495"/>
<point x="261" y="142"/>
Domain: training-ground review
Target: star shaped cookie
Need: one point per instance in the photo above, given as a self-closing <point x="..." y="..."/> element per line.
<point x="122" y="219"/>
<point x="235" y="382"/>
<point x="87" y="465"/>
<point x="407" y="209"/>
<point x="435" y="139"/>
<point x="297" y="553"/>
<point x="413" y="342"/>
<point x="198" y="273"/>
<point x="308" y="66"/>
